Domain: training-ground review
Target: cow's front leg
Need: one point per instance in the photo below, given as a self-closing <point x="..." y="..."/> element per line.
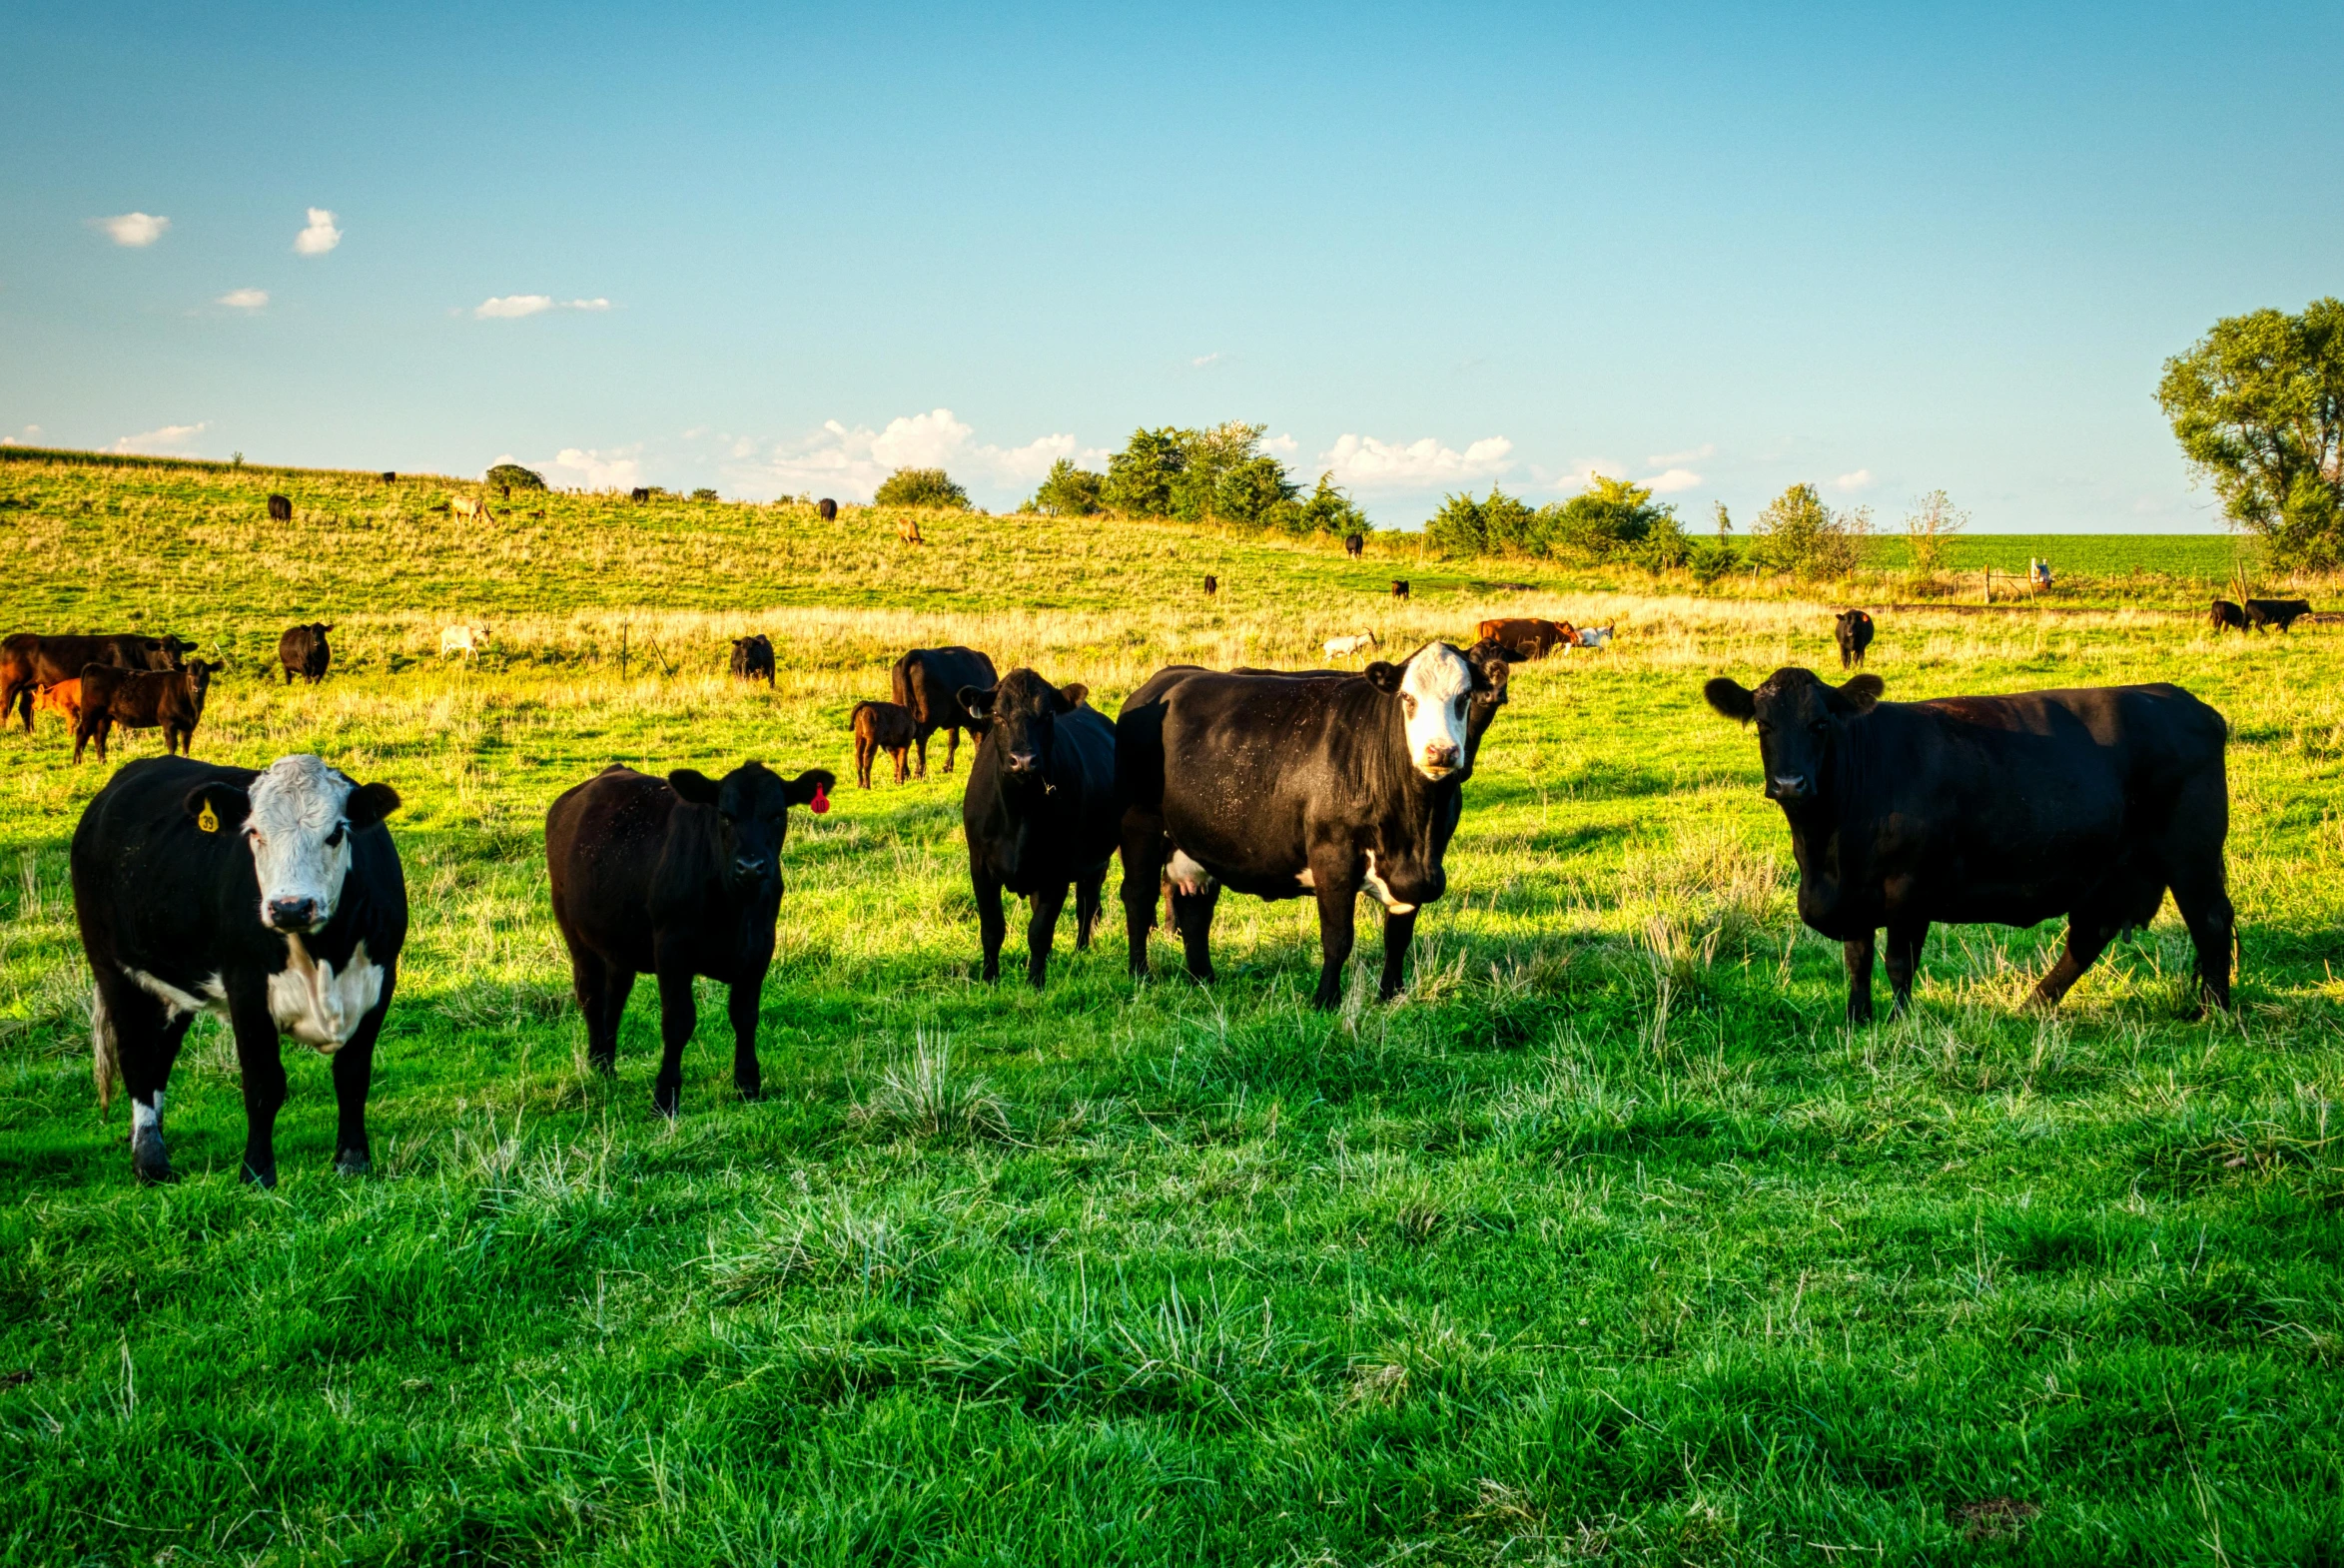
<point x="261" y="1061"/>
<point x="353" y="1074"/>
<point x="1041" y="926"/>
<point x="678" y="1016"/>
<point x="1858" y="953"/>
<point x="741" y="1008"/>
<point x="1905" y="938"/>
<point x="1339" y="912"/>
<point x="1087" y="893"/>
<point x="1192" y="913"/>
<point x="1398" y="930"/>
<point x="992" y="926"/>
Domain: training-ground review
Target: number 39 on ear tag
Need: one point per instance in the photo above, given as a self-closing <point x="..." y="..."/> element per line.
<point x="207" y="819"/>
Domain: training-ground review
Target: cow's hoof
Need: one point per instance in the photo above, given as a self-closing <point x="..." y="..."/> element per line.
<point x="259" y="1176"/>
<point x="353" y="1162"/>
<point x="606" y="1066"/>
<point x="749" y="1088"/>
<point x="149" y="1160"/>
<point x="667" y="1099"/>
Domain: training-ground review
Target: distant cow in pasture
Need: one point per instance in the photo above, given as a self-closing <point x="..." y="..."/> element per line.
<point x="878" y="727"/>
<point x="467" y="507"/>
<point x="639" y="494"/>
<point x="2089" y="803"/>
<point x="1040" y="813"/>
<point x="304" y="651"/>
<point x="1345" y="647"/>
<point x="1399" y="587"/>
<point x="753" y="658"/>
<point x="1282" y="785"/>
<point x="908" y="531"/>
<point x="826" y="509"/>
<point x="2226" y="617"/>
<point x="169" y="701"/>
<point x="31" y="664"/>
<point x="1211" y="585"/>
<point x="64" y="700"/>
<point x="281" y="508"/>
<point x="1529" y="636"/>
<point x="2281" y="614"/>
<point x="1853" y="631"/>
<point x="271" y="899"/>
<point x="389" y="478"/>
<point x="673" y="877"/>
<point x="466" y="637"/>
<point x="928" y="682"/>
<point x="1354" y="545"/>
<point x="1592" y="637"/>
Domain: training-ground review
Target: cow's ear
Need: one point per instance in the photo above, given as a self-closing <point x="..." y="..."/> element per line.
<point x="692" y="785"/>
<point x="370" y="804"/>
<point x="977" y="702"/>
<point x="1073" y="696"/>
<point x="1861" y="693"/>
<point x="808" y="786"/>
<point x="1731" y="698"/>
<point x="1383" y="675"/>
<point x="218" y="807"/>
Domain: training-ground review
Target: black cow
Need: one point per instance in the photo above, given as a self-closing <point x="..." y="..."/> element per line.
<point x="1279" y="785"/>
<point x="673" y="877"/>
<point x="1399" y="587"/>
<point x="753" y="658"/>
<point x="169" y="701"/>
<point x="639" y="494"/>
<point x="30" y="663"/>
<point x="1854" y="634"/>
<point x="272" y="898"/>
<point x="2281" y="614"/>
<point x="1040" y="813"/>
<point x="928" y="682"/>
<point x="304" y="653"/>
<point x="1211" y="585"/>
<point x="1354" y="545"/>
<point x="2087" y="803"/>
<point x="2226" y="617"/>
<point x="281" y="508"/>
<point x="826" y="509"/>
<point x="389" y="478"/>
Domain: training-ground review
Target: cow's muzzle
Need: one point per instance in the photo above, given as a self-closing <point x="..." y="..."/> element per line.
<point x="1441" y="757"/>
<point x="1023" y="763"/>
<point x="292" y="914"/>
<point x="1786" y="786"/>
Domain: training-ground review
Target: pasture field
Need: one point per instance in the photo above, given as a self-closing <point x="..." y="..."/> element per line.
<point x="1607" y="1243"/>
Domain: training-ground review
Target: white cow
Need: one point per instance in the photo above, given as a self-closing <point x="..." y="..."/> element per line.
<point x="466" y="640"/>
<point x="1594" y="636"/>
<point x="466" y="506"/>
<point x="1345" y="647"/>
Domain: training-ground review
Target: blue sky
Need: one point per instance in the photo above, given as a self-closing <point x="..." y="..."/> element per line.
<point x="781" y="249"/>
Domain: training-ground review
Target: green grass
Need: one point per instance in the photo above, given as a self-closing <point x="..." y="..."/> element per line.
<point x="1607" y="1243"/>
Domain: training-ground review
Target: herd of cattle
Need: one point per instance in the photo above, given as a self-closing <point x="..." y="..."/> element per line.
<point x="275" y="897"/>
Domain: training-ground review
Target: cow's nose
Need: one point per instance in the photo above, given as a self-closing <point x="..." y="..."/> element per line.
<point x="1790" y="786"/>
<point x="1024" y="761"/>
<point x="1440" y="754"/>
<point x="292" y="914"/>
<point x="751" y="868"/>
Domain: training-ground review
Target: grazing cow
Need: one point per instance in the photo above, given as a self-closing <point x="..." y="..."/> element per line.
<point x="1040" y="813"/>
<point x="302" y="651"/>
<point x="753" y="658"/>
<point x="908" y="531"/>
<point x="1852" y="630"/>
<point x="1592" y="637"/>
<point x="639" y="494"/>
<point x="878" y="727"/>
<point x="1354" y="545"/>
<point x="1279" y="785"/>
<point x="466" y="637"/>
<point x="271" y="899"/>
<point x="1345" y="647"/>
<point x="2224" y="615"/>
<point x="467" y="507"/>
<point x="928" y="682"/>
<point x="2281" y="614"/>
<point x="826" y="509"/>
<point x="171" y="700"/>
<point x="2087" y="803"/>
<point x="1211" y="585"/>
<point x="281" y="508"/>
<point x="673" y="877"/>
<point x="64" y="700"/>
<point x="1399" y="587"/>
<point x="1529" y="636"/>
<point x="390" y="477"/>
<point x="31" y="664"/>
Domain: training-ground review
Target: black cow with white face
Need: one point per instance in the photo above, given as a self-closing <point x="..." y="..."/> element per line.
<point x="673" y="877"/>
<point x="1278" y="785"/>
<point x="1039" y="812"/>
<point x="2089" y="803"/>
<point x="272" y="898"/>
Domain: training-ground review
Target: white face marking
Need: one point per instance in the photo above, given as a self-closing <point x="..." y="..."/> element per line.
<point x="1382" y="891"/>
<point x="146" y="1120"/>
<point x="1184" y="874"/>
<point x="318" y="1007"/>
<point x="301" y="845"/>
<point x="1434" y="690"/>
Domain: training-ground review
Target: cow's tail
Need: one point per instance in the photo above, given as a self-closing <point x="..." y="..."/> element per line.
<point x="855" y="719"/>
<point x="106" y="1068"/>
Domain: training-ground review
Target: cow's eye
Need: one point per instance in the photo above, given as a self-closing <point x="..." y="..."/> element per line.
<point x="1408" y="706"/>
<point x="333" y="839"/>
<point x="1460" y="707"/>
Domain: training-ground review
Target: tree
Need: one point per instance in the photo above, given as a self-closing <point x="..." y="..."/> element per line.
<point x="1139" y="478"/>
<point x="921" y="487"/>
<point x="1069" y="491"/>
<point x="1465" y="526"/>
<point x="1713" y="558"/>
<point x="512" y="476"/>
<point x="1798" y="533"/>
<point x="1930" y="528"/>
<point x="1209" y="458"/>
<point x="2258" y="407"/>
<point x="1610" y="520"/>
<point x="1329" y="510"/>
<point x="1254" y="492"/>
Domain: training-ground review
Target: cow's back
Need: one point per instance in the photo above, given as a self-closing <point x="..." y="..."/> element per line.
<point x="603" y="841"/>
<point x="151" y="887"/>
<point x="928" y="682"/>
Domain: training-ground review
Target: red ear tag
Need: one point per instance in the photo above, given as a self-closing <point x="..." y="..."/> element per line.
<point x="821" y="801"/>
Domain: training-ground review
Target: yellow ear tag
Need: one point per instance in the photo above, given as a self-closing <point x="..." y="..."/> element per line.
<point x="207" y="819"/>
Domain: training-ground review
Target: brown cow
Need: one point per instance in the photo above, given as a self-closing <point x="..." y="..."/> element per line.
<point x="64" y="700"/>
<point x="908" y="531"/>
<point x="1399" y="587"/>
<point x="826" y="509"/>
<point x="1529" y="636"/>
<point x="30" y="663"/>
<point x="1212" y="586"/>
<point x="281" y="508"/>
<point x="142" y="699"/>
<point x="878" y="727"/>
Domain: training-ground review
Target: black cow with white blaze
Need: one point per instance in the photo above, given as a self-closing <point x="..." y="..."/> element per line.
<point x="272" y="898"/>
<point x="1278" y="785"/>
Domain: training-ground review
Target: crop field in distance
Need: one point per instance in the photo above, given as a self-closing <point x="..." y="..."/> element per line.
<point x="1607" y="1243"/>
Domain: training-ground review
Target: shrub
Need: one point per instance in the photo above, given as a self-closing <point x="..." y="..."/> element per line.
<point x="1798" y="533"/>
<point x="1929" y="528"/>
<point x="921" y="487"/>
<point x="1139" y="478"/>
<point x="1609" y="521"/>
<point x="703" y="494"/>
<point x="1069" y="491"/>
<point x="1465" y="526"/>
<point x="1329" y="510"/>
<point x="1711" y="559"/>
<point x="1251" y="492"/>
<point x="512" y="476"/>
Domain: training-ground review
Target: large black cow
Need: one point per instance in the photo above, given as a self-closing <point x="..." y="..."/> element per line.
<point x="928" y="682"/>
<point x="826" y="509"/>
<point x="1853" y="632"/>
<point x="2281" y="614"/>
<point x="274" y="899"/>
<point x="302" y="651"/>
<point x="2087" y="803"/>
<point x="1039" y="812"/>
<point x="673" y="877"/>
<point x="1279" y="785"/>
<point x="753" y="658"/>
<point x="30" y="662"/>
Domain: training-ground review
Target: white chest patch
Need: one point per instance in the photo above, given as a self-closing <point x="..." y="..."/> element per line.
<point x="1378" y="890"/>
<point x="318" y="1007"/>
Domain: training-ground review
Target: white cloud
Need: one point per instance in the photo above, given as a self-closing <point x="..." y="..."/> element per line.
<point x="620" y="469"/>
<point x="850" y="462"/>
<point x="135" y="230"/>
<point x="244" y="298"/>
<point x="1673" y="481"/>
<point x="170" y="440"/>
<point x="32" y="433"/>
<point x="1670" y="459"/>
<point x="505" y="307"/>
<point x="1205" y="362"/>
<point x="1365" y="463"/>
<point x="1281" y="447"/>
<point x="320" y="236"/>
<point x="1846" y="483"/>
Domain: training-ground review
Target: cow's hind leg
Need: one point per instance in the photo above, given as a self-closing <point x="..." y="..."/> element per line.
<point x="593" y="981"/>
<point x="1905" y="939"/>
<point x="1087" y="889"/>
<point x="992" y="926"/>
<point x="261" y="1061"/>
<point x="136" y="1039"/>
<point x="678" y="1016"/>
<point x="1143" y="858"/>
<point x="1047" y="902"/>
<point x="1192" y="913"/>
<point x="2213" y="926"/>
<point x="920" y="739"/>
<point x="354" y="1074"/>
<point x="741" y="1008"/>
<point x="1339" y="914"/>
<point x="863" y="751"/>
<point x="17" y="698"/>
<point x="951" y="746"/>
<point x="1399" y="930"/>
<point x="903" y="764"/>
<point x="1857" y="955"/>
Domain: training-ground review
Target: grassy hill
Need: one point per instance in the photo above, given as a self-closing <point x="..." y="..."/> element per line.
<point x="1607" y="1243"/>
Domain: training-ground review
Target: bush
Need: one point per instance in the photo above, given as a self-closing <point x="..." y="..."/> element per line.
<point x="1139" y="478"/>
<point x="1798" y="533"/>
<point x="1612" y="519"/>
<point x="1465" y="526"/>
<point x="1249" y="493"/>
<point x="1069" y="491"/>
<point x="703" y="494"/>
<point x="1329" y="510"/>
<point x="921" y="487"/>
<point x="1711" y="559"/>
<point x="512" y="476"/>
